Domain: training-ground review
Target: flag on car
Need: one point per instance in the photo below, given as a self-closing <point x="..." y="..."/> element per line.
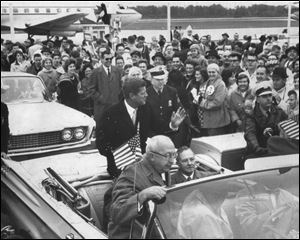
<point x="128" y="153"/>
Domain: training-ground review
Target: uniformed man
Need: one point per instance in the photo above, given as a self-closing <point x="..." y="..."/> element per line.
<point x="163" y="102"/>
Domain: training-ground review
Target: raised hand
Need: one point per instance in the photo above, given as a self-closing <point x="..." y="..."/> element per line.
<point x="178" y="117"/>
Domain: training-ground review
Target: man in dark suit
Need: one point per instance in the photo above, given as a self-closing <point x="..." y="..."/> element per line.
<point x="105" y="85"/>
<point x="4" y="126"/>
<point x="186" y="164"/>
<point x="119" y="123"/>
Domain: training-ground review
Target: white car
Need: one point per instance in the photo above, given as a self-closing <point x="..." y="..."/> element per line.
<point x="37" y="124"/>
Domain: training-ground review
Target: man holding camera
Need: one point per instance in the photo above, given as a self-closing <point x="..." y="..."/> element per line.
<point x="262" y="123"/>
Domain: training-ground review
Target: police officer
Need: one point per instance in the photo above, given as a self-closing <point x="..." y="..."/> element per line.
<point x="163" y="102"/>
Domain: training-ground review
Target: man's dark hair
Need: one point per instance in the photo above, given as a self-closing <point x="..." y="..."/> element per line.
<point x="180" y="150"/>
<point x="120" y="45"/>
<point x="37" y="55"/>
<point x="236" y="54"/>
<point x="132" y="85"/>
<point x="267" y="70"/>
<point x="56" y="53"/>
<point x="119" y="57"/>
<point x="143" y="61"/>
<point x="87" y="65"/>
<point x="190" y="61"/>
<point x="292" y="92"/>
<point x="247" y="54"/>
<point x="274" y="47"/>
<point x="107" y="51"/>
<point x="142" y="38"/>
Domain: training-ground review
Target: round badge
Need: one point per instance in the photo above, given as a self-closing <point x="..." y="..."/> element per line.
<point x="210" y="90"/>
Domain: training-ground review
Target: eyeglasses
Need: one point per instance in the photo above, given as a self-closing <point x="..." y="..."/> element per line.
<point x="169" y="156"/>
<point x="108" y="59"/>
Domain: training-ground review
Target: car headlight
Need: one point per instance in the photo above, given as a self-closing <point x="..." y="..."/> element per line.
<point x="79" y="133"/>
<point x="67" y="134"/>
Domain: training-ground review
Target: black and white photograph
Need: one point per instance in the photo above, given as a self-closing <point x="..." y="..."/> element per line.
<point x="149" y="119"/>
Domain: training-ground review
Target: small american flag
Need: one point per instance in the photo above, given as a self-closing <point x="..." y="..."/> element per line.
<point x="128" y="152"/>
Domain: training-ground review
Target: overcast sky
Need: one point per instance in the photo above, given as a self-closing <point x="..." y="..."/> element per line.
<point x="229" y="4"/>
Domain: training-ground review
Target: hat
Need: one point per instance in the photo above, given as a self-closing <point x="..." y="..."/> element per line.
<point x="159" y="54"/>
<point x="213" y="66"/>
<point x="212" y="53"/>
<point x="225" y="34"/>
<point x="195" y="46"/>
<point x="159" y="73"/>
<point x="281" y="72"/>
<point x="263" y="89"/>
<point x="290" y="128"/>
<point x="290" y="49"/>
<point x="136" y="53"/>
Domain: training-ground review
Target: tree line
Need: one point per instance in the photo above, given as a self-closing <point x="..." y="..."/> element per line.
<point x="213" y="11"/>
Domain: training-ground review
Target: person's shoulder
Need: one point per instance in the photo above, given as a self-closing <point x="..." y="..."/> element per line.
<point x="170" y="89"/>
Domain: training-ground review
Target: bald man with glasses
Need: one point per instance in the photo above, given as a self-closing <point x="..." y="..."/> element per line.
<point x="139" y="183"/>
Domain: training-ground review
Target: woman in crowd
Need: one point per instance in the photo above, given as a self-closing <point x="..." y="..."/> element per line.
<point x="67" y="89"/>
<point x="201" y="78"/>
<point x="86" y="101"/>
<point x="21" y="64"/>
<point x="213" y="103"/>
<point x="229" y="80"/>
<point x="143" y="65"/>
<point x="49" y="75"/>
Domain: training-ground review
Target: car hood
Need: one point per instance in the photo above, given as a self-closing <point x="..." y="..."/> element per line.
<point x="32" y="118"/>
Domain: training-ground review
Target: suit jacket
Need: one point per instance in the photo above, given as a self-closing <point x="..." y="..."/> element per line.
<point x="124" y="206"/>
<point x="4" y="128"/>
<point x="178" y="177"/>
<point x="161" y="109"/>
<point x="104" y="90"/>
<point x="115" y="128"/>
<point x="258" y="122"/>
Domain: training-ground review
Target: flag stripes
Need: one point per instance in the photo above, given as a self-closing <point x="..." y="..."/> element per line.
<point x="128" y="153"/>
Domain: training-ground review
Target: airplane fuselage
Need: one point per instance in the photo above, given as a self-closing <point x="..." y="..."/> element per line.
<point x="23" y="17"/>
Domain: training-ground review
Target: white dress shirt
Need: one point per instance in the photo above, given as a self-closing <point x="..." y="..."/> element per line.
<point x="131" y="111"/>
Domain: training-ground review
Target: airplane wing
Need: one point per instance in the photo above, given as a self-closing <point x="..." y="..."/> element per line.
<point x="53" y="23"/>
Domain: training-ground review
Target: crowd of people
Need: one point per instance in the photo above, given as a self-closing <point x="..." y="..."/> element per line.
<point x="223" y="86"/>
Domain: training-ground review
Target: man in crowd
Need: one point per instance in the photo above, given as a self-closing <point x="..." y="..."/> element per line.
<point x="251" y="66"/>
<point x="263" y="122"/>
<point x="36" y="66"/>
<point x="139" y="183"/>
<point x="105" y="85"/>
<point x="279" y="78"/>
<point x="143" y="48"/>
<point x="187" y="170"/>
<point x="235" y="62"/>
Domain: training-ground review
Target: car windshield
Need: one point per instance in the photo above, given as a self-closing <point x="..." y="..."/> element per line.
<point x="257" y="205"/>
<point x="22" y="89"/>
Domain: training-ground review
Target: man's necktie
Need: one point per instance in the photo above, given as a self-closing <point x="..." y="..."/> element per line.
<point x="188" y="179"/>
<point x="108" y="72"/>
<point x="133" y="118"/>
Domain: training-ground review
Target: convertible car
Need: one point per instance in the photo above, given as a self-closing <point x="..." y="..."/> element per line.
<point x="37" y="124"/>
<point x="62" y="196"/>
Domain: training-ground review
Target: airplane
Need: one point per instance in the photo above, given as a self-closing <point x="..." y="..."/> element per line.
<point x="62" y="20"/>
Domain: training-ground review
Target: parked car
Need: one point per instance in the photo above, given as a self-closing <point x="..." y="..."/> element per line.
<point x="37" y="124"/>
<point x="62" y="196"/>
